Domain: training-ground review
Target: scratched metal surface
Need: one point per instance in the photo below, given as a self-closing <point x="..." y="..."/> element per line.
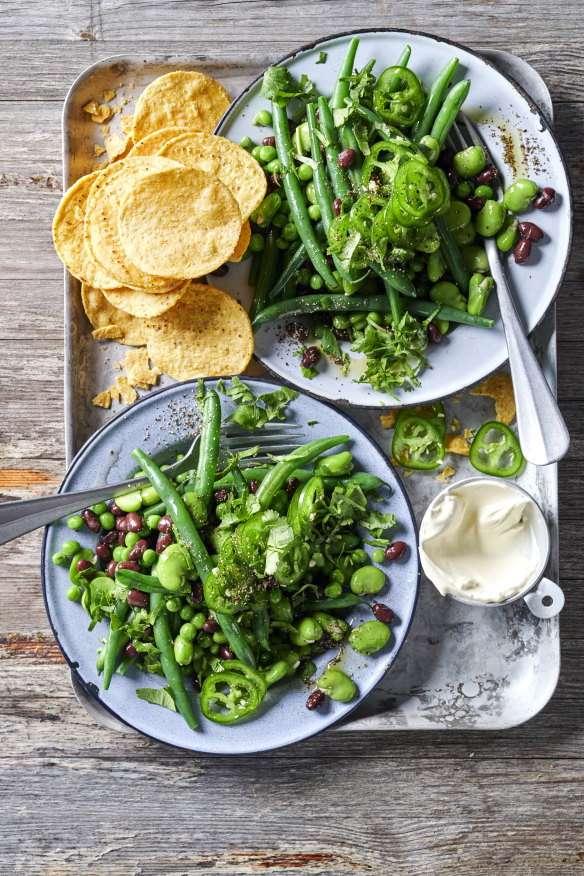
<point x="462" y="667"/>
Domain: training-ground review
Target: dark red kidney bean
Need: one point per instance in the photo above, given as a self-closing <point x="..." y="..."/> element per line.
<point x="330" y="261"/>
<point x="445" y="158"/>
<point x="138" y="549"/>
<point x="529" y="231"/>
<point x="148" y="630"/>
<point x="111" y="569"/>
<point x="196" y="683"/>
<point x="310" y="358"/>
<point x="522" y="251"/>
<point x="297" y="331"/>
<point x="340" y="334"/>
<point x="116" y="510"/>
<point x="130" y="650"/>
<point x="220" y="271"/>
<point x="220" y="496"/>
<point x="137" y="598"/>
<point x="196" y="594"/>
<point x="269" y="141"/>
<point x="109" y="537"/>
<point x="292" y="486"/>
<point x="211" y="626"/>
<point x="104" y="552"/>
<point x="121" y="524"/>
<point x="395" y="550"/>
<point x="275" y="180"/>
<point x="337" y="206"/>
<point x="253" y="486"/>
<point x="453" y="178"/>
<point x="226" y="653"/>
<point x="122" y="539"/>
<point x="476" y="204"/>
<point x="163" y="541"/>
<point x="383" y="613"/>
<point x="82" y="565"/>
<point x="315" y="700"/>
<point x="545" y="198"/>
<point x="165" y="523"/>
<point x="91" y="520"/>
<point x="134" y="522"/>
<point x="486" y="176"/>
<point x="434" y="334"/>
<point x="346" y="157"/>
<point x="129" y="564"/>
<point x="551" y="193"/>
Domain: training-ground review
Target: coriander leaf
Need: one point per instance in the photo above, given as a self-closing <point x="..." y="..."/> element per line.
<point x="280" y="539"/>
<point x="377" y="523"/>
<point x="158" y="696"/>
<point x="393" y="357"/>
<point x="239" y="391"/>
<point x="309" y="373"/>
<point x="349" y="503"/>
<point x="312" y="423"/>
<point x="249" y="416"/>
<point x="328" y="341"/>
<point x="280" y="86"/>
<point x="322" y="58"/>
<point x="276" y="401"/>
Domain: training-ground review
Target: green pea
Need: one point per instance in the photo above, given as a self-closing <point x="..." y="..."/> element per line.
<point x="359" y="556"/>
<point x="285" y="206"/>
<point x="442" y="325"/>
<point x="274" y="596"/>
<point x="199" y="620"/>
<point x="435" y="266"/>
<point x="470" y="161"/>
<point x="490" y="219"/>
<point x="75" y="521"/>
<point x="310" y="192"/>
<point x="276" y="672"/>
<point x="520" y="194"/>
<point x="279" y="220"/>
<point x="74" y="593"/>
<point x="305" y="172"/>
<point x="188" y="631"/>
<point x="174" y="604"/>
<point x="341" y="321"/>
<point x="70" y="547"/>
<point x="463" y="189"/>
<point x="431" y="147"/>
<point x="246" y="143"/>
<point x="205" y="640"/>
<point x="249" y="637"/>
<point x="314" y="212"/>
<point x="485" y="192"/>
<point x="378" y="555"/>
<point x="263" y="117"/>
<point x="374" y="316"/>
<point x="332" y="591"/>
<point x="257" y="242"/>
<point x="475" y="258"/>
<point x="336" y="685"/>
<point x="255" y="152"/>
<point x="282" y="243"/>
<point x="447" y="293"/>
<point x="130" y="502"/>
<point x="316" y="282"/>
<point x="336" y="628"/>
<point x="367" y="579"/>
<point x="131" y="538"/>
<point x="282" y="610"/>
<point x="290" y="232"/>
<point x="183" y="650"/>
<point x="478" y="293"/>
<point x="187" y="613"/>
<point x="149" y="557"/>
<point x="267" y="153"/>
<point x="272" y="166"/>
<point x="107" y="520"/>
<point x="466" y="235"/>
<point x="59" y="558"/>
<point x="336" y="577"/>
<point x="172" y="568"/>
<point x="219" y="637"/>
<point x="150" y="496"/>
<point x="184" y="476"/>
<point x="458" y="215"/>
<point x="100" y="508"/>
<point x="507" y="236"/>
<point x="309" y="631"/>
<point x="369" y="637"/>
<point x="152" y="520"/>
<point x="120" y="553"/>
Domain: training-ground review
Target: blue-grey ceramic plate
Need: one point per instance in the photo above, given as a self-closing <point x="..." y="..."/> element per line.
<point x="162" y="424"/>
<point x="521" y="144"/>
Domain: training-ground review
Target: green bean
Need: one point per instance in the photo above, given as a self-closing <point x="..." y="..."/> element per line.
<point x="452" y="255"/>
<point x="289" y="290"/>
<point x="261" y="627"/>
<point x="437" y="89"/>
<point x="341" y="89"/>
<point x="239" y="481"/>
<point x="349" y="141"/>
<point x="254" y="270"/>
<point x="402" y="61"/>
<point x="296" y="262"/>
<point x="116" y="640"/>
<point x="452" y="314"/>
<point x="138" y="581"/>
<point x="449" y="111"/>
<point x="208" y="454"/>
<point x="172" y="673"/>
<point x="347" y="600"/>
<point x="125" y="664"/>
<point x="322" y="186"/>
<point x="393" y="298"/>
<point x="338" y="175"/>
<point x="267" y="273"/>
<point x="298" y="209"/>
<point x="397" y="279"/>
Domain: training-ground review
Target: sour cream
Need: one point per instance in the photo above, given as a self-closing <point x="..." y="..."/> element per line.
<point x="478" y="541"/>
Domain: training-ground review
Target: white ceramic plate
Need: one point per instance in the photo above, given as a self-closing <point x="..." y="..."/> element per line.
<point x="521" y="145"/>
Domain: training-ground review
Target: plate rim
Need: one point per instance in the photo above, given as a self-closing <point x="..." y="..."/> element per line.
<point x="546" y="126"/>
<point x="88" y="686"/>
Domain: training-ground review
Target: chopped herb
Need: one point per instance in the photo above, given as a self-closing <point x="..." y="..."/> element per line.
<point x="252" y="413"/>
<point x="158" y="696"/>
<point x="280" y="86"/>
<point x="322" y="58"/>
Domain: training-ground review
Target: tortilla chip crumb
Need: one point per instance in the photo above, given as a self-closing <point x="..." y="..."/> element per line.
<point x="468" y="434"/>
<point x="445" y="474"/>
<point x="132" y="86"/>
<point x="127" y="391"/>
<point x="124" y="101"/>
<point x="388" y="420"/>
<point x="456" y="444"/>
<point x="91" y="107"/>
<point x="116" y="108"/>
<point x="455" y="424"/>
<point x="103" y="400"/>
<point x="500" y="387"/>
<point x="99" y="150"/>
<point x="407" y="473"/>
<point x="104" y="129"/>
<point x="393" y="462"/>
<point x="138" y="370"/>
<point x="107" y="332"/>
<point x="102" y="114"/>
<point x="108" y="95"/>
<point x="115" y="147"/>
<point x="456" y="398"/>
<point x="115" y="393"/>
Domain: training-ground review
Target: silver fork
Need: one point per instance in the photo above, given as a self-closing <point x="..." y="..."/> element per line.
<point x="543" y="435"/>
<point x="18" y="518"/>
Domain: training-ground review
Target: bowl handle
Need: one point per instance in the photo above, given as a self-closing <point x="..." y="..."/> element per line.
<point x="547" y="600"/>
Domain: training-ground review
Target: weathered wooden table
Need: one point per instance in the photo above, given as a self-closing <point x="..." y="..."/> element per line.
<point x="77" y="799"/>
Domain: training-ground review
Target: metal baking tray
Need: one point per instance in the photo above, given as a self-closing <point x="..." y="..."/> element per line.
<point x="462" y="667"/>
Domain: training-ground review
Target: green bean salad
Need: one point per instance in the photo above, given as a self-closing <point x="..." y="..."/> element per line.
<point x="225" y="581"/>
<point x="372" y="226"/>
